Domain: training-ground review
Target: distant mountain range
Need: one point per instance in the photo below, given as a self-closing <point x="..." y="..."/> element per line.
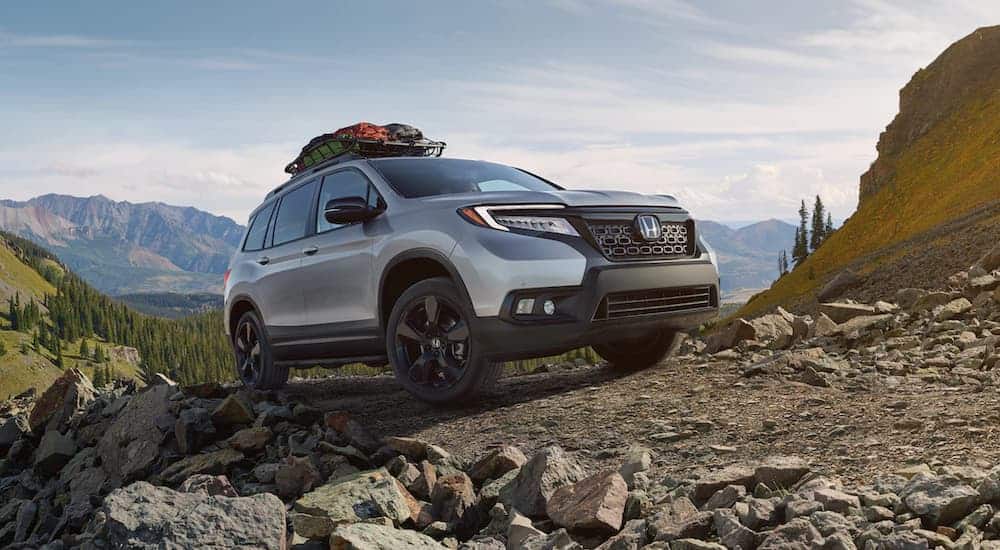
<point x="123" y="247"/>
<point x="748" y="256"/>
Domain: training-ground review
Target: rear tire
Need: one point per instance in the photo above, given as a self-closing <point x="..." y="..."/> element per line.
<point x="634" y="354"/>
<point x="255" y="364"/>
<point x="432" y="347"/>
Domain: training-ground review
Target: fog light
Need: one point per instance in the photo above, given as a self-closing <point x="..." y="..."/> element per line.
<point x="525" y="306"/>
<point x="549" y="307"/>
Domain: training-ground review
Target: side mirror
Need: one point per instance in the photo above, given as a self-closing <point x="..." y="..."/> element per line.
<point x="349" y="210"/>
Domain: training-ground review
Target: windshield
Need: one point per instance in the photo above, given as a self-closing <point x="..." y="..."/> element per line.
<point x="422" y="177"/>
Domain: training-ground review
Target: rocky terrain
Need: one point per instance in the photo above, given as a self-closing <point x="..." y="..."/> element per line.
<point x="865" y="426"/>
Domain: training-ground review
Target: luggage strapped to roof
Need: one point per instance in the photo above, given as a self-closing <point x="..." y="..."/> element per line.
<point x="365" y="140"/>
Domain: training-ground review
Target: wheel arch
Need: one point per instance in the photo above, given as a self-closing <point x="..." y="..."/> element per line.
<point x="240" y="306"/>
<point x="408" y="268"/>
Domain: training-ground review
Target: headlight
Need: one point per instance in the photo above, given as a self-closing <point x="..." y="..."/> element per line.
<point x="497" y="217"/>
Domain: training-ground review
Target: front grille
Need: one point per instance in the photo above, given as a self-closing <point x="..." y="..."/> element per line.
<point x="622" y="305"/>
<point x="619" y="240"/>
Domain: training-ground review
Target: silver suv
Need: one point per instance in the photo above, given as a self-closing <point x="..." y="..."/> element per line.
<point x="443" y="268"/>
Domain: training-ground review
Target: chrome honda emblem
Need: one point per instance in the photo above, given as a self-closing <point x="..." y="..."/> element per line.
<point x="648" y="226"/>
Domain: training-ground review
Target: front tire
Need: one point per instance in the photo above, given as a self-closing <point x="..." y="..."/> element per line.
<point x="632" y="354"/>
<point x="432" y="347"/>
<point x="255" y="364"/>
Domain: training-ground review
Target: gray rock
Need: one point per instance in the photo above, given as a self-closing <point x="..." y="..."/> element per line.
<point x="193" y="430"/>
<point x="54" y="451"/>
<point x="631" y="537"/>
<point x="25" y="519"/>
<point x="294" y="476"/>
<point x="940" y="500"/>
<point x="497" y="463"/>
<point x="217" y="462"/>
<point x="215" y="486"/>
<point x="678" y="519"/>
<point x="145" y="516"/>
<point x="535" y="482"/>
<point x="695" y="544"/>
<point x="843" y="281"/>
<point x="556" y="540"/>
<point x="801" y="508"/>
<point x="798" y="534"/>
<point x="707" y="485"/>
<point x="371" y="536"/>
<point x="732" y="533"/>
<point x="12" y="429"/>
<point x="454" y="500"/>
<point x="354" y="498"/>
<point x="760" y="512"/>
<point x="68" y="396"/>
<point x="952" y="309"/>
<point x="131" y="444"/>
<point x="725" y="497"/>
<point x="843" y="312"/>
<point x="836" y="501"/>
<point x="233" y="411"/>
<point x="780" y="471"/>
<point x="637" y="459"/>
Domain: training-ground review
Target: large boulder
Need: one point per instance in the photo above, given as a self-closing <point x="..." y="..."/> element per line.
<point x="940" y="500"/>
<point x="193" y="430"/>
<point x="11" y="430"/>
<point x="843" y="312"/>
<point x="737" y="331"/>
<point x="145" y="516"/>
<point x="68" y="395"/>
<point x="842" y="282"/>
<point x="216" y="462"/>
<point x="131" y="445"/>
<point x="535" y="482"/>
<point x="54" y="452"/>
<point x="774" y="330"/>
<point x="497" y="463"/>
<point x="678" y="519"/>
<point x="350" y="499"/>
<point x="371" y="536"/>
<point x="592" y="504"/>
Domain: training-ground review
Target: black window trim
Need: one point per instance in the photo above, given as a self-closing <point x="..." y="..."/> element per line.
<point x="267" y="230"/>
<point x="371" y="187"/>
<point x="310" y="225"/>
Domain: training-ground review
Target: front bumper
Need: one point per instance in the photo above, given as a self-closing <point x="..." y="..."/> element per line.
<point x="579" y="320"/>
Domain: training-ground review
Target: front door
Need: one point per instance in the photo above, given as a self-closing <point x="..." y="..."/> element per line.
<point x="337" y="274"/>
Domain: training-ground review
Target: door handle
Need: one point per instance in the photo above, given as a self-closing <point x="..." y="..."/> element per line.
<point x="263" y="260"/>
<point x="309" y="251"/>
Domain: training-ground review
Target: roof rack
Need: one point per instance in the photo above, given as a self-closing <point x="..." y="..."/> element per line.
<point x="346" y="148"/>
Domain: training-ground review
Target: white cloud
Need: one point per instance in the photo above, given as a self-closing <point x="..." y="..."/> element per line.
<point x="55" y="41"/>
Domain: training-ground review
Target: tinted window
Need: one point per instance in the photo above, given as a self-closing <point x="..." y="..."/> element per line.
<point x="339" y="185"/>
<point x="258" y="229"/>
<point x="425" y="177"/>
<point x="292" y="219"/>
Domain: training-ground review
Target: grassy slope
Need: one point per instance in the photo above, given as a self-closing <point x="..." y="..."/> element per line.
<point x="950" y="171"/>
<point x="17" y="277"/>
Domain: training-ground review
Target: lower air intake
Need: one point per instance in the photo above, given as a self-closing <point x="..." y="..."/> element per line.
<point x="623" y="305"/>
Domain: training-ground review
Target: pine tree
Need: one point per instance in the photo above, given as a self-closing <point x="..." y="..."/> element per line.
<point x="828" y="228"/>
<point x="782" y="263"/>
<point x="84" y="349"/>
<point x="801" y="250"/>
<point x="99" y="380"/>
<point x="59" y="356"/>
<point x="35" y="340"/>
<point x="3" y="348"/>
<point x="818" y="233"/>
<point x="98" y="354"/>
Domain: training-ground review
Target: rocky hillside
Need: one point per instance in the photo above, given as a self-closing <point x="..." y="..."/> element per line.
<point x="932" y="198"/>
<point x="889" y="407"/>
<point x="121" y="247"/>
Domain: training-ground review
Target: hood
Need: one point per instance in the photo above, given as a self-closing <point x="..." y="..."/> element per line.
<point x="571" y="198"/>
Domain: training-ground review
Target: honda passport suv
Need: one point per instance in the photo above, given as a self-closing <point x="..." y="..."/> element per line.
<point x="443" y="268"/>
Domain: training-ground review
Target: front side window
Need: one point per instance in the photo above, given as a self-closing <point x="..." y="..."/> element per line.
<point x="258" y="229"/>
<point x="292" y="219"/>
<point x="419" y="177"/>
<point x="339" y="185"/>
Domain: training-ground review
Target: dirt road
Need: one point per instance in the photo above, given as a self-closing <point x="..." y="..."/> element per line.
<point x="693" y="414"/>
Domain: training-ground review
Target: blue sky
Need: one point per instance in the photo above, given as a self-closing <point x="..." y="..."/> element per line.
<point x="739" y="108"/>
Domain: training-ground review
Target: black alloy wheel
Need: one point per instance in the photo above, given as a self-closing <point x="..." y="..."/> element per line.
<point x="248" y="352"/>
<point x="432" y="347"/>
<point x="432" y="338"/>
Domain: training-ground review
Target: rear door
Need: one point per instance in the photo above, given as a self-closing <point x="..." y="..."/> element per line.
<point x="337" y="275"/>
<point x="282" y="300"/>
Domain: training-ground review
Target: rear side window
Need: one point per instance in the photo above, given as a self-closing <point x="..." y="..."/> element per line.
<point x="340" y="185"/>
<point x="292" y="219"/>
<point x="258" y="229"/>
